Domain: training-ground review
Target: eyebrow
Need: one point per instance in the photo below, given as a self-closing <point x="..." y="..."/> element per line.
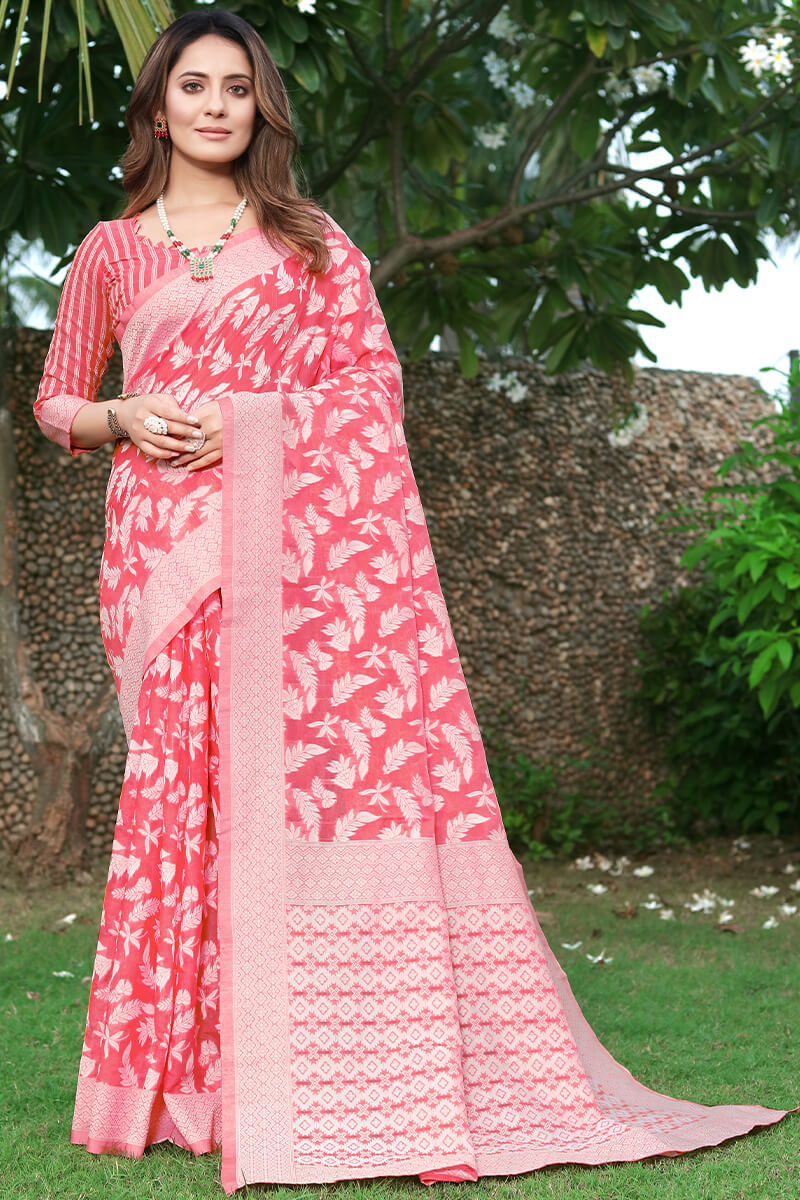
<point x="203" y="75"/>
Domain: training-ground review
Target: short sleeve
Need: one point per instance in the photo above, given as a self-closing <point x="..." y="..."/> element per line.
<point x="81" y="346"/>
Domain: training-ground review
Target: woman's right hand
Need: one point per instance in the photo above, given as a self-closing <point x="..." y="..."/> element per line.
<point x="181" y="426"/>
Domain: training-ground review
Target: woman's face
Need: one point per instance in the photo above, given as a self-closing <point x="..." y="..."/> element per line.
<point x="211" y="85"/>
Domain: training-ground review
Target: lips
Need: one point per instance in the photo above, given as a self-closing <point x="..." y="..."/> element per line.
<point x="210" y="129"/>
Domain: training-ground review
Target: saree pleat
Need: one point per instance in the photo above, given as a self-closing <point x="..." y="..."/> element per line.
<point x="150" y="1066"/>
<point x="317" y="950"/>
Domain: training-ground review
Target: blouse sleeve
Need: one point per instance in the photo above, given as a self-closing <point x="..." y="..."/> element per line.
<point x="81" y="346"/>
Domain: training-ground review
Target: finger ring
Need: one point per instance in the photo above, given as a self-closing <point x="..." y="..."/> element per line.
<point x="195" y="443"/>
<point x="155" y="424"/>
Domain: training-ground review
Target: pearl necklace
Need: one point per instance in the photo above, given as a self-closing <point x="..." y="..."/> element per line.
<point x="201" y="264"/>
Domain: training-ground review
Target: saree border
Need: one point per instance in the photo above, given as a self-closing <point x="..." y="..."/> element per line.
<point x="254" y="991"/>
<point x="177" y="584"/>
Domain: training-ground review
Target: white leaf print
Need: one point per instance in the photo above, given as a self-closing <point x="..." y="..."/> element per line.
<point x="336" y="418"/>
<point x="392" y="701"/>
<point x="349" y="475"/>
<point x="347" y="684"/>
<point x="448" y="774"/>
<point x="297" y="753"/>
<point x="369" y="589"/>
<point x="295" y="481"/>
<point x="397" y="754"/>
<point x="385" y="487"/>
<point x="460" y="743"/>
<point x="444" y="690"/>
<point x="308" y="811"/>
<point x="307" y="676"/>
<point x="354" y="607"/>
<point x="292" y="703"/>
<point x="145" y="909"/>
<point x="371" y="722"/>
<point x="124" y="1012"/>
<point x="339" y="634"/>
<point x="343" y="771"/>
<point x="305" y="541"/>
<point x="385" y="566"/>
<point x="408" y="806"/>
<point x="321" y="524"/>
<point x="295" y="617"/>
<point x="392" y="618"/>
<point x="359" y="744"/>
<point x="347" y="825"/>
<point x="431" y="641"/>
<point x="414" y="511"/>
<point x="462" y="823"/>
<point x="399" y="538"/>
<point x="323" y="794"/>
<point x="320" y="656"/>
<point x="342" y="550"/>
<point x="335" y="500"/>
<point x="422" y="561"/>
<point x="468" y="725"/>
<point x="438" y="607"/>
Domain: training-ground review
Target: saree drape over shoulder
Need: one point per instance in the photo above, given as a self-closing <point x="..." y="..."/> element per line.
<point x="317" y="950"/>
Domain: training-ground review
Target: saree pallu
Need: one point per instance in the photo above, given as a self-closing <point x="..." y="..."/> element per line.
<point x="354" y="982"/>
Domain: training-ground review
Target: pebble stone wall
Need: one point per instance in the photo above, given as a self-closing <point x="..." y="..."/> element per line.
<point x="544" y="534"/>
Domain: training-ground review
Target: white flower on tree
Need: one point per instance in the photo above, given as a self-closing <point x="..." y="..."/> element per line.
<point x="492" y="136"/>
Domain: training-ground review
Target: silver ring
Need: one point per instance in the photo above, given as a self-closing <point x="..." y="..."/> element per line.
<point x="155" y="424"/>
<point x="196" y="443"/>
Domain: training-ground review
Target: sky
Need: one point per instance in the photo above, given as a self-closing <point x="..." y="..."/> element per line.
<point x="736" y="331"/>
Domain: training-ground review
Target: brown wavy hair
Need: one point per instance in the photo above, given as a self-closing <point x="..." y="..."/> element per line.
<point x="264" y="173"/>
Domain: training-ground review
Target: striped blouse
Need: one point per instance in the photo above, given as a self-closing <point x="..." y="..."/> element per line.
<point x="112" y="264"/>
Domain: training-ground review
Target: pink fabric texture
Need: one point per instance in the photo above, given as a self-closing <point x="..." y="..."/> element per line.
<point x="317" y="951"/>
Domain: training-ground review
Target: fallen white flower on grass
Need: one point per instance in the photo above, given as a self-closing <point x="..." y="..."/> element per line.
<point x="764" y="890"/>
<point x="725" y="917"/>
<point x="585" y="863"/>
<point x="705" y="903"/>
<point x="620" y="865"/>
<point x="789" y="869"/>
<point x="9" y="938"/>
<point x="67" y="920"/>
<point x="644" y="871"/>
<point x="741" y="843"/>
<point x="770" y="923"/>
<point x="63" y="974"/>
<point x="597" y="888"/>
<point x="602" y="863"/>
<point x="787" y="910"/>
<point x="667" y="914"/>
<point x="572" y="945"/>
<point x="795" y="887"/>
<point x="725" y="903"/>
<point x="652" y="903"/>
<point x="599" y="958"/>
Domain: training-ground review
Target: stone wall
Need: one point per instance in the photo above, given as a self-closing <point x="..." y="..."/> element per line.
<point x="544" y="533"/>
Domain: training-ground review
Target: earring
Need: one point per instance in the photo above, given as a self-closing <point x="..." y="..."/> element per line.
<point x="160" y="128"/>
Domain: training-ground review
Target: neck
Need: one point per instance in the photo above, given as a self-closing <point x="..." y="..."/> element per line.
<point x="199" y="185"/>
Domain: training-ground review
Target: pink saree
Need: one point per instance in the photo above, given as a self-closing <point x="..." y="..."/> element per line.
<point x="317" y="952"/>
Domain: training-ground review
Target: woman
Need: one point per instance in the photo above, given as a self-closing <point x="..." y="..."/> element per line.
<point x="317" y="950"/>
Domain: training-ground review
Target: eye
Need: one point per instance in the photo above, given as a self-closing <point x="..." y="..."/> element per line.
<point x="192" y="83"/>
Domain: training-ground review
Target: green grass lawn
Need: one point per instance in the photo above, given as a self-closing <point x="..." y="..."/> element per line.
<point x="694" y="1009"/>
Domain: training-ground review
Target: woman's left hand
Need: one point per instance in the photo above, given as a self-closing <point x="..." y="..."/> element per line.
<point x="210" y="453"/>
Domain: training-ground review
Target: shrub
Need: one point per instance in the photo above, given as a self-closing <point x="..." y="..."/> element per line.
<point x="720" y="665"/>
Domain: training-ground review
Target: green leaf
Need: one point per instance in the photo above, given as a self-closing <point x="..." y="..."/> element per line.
<point x="785" y="653"/>
<point x="597" y="40"/>
<point x="584" y="133"/>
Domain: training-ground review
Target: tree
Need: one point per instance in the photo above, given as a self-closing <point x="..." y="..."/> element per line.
<point x="517" y="171"/>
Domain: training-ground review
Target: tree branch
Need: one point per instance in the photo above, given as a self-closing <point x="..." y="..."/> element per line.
<point x="540" y="132"/>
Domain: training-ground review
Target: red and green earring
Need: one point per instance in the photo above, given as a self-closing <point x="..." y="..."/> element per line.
<point x="160" y="128"/>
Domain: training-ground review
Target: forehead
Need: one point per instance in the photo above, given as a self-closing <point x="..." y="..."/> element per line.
<point x="212" y="55"/>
